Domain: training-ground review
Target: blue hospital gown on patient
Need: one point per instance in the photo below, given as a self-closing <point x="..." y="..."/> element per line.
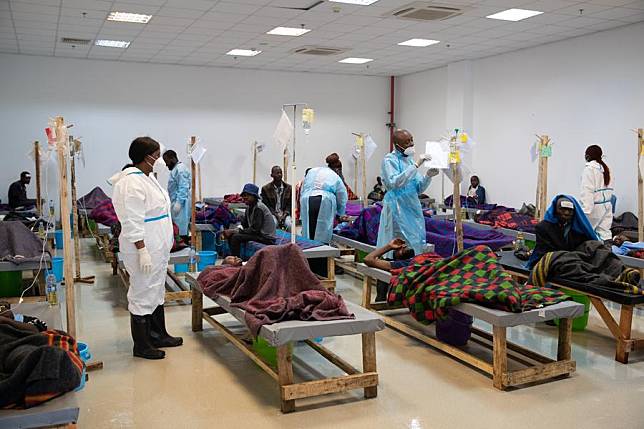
<point x="402" y="214"/>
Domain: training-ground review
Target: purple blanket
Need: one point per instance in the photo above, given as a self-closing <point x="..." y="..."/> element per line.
<point x="438" y="232"/>
<point x="353" y="208"/>
<point x="468" y="202"/>
<point x="216" y="216"/>
<point x="104" y="213"/>
<point x="92" y="199"/>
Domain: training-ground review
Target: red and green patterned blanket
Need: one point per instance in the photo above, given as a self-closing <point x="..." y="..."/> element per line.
<point x="474" y="275"/>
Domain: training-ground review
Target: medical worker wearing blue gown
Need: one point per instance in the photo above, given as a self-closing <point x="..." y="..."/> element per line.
<point x="179" y="188"/>
<point x="402" y="214"/>
<point x="323" y="197"/>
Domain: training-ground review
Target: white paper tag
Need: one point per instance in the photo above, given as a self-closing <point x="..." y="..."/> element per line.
<point x="542" y="312"/>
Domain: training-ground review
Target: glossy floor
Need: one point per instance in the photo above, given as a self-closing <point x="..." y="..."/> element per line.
<point x="208" y="383"/>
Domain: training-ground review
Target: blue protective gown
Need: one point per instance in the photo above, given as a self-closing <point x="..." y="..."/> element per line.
<point x="179" y="188"/>
<point x="402" y="214"/>
<point x="325" y="182"/>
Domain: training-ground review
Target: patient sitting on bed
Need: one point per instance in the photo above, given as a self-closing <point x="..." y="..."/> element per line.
<point x="564" y="227"/>
<point x="402" y="257"/>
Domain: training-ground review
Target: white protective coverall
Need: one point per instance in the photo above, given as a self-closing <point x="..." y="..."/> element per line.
<point x="402" y="214"/>
<point x="179" y="189"/>
<point x="596" y="199"/>
<point x="143" y="208"/>
<point x="325" y="182"/>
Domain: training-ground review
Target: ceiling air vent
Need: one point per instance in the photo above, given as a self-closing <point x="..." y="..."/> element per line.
<point x="422" y="11"/>
<point x="73" y="41"/>
<point x="318" y="50"/>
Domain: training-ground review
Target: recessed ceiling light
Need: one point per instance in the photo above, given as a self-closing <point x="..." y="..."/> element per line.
<point x="358" y="2"/>
<point x="129" y="17"/>
<point x="112" y="43"/>
<point x="352" y="60"/>
<point x="288" y="31"/>
<point x="421" y="43"/>
<point x="243" y="52"/>
<point x="514" y="14"/>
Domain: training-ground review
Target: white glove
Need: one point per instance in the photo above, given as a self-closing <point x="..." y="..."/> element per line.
<point x="176" y="207"/>
<point x="423" y="158"/>
<point x="432" y="172"/>
<point x="145" y="261"/>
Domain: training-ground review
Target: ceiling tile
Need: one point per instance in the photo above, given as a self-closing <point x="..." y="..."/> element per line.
<point x="87" y="5"/>
<point x="180" y="12"/>
<point x="202" y="5"/>
<point x="621" y="14"/>
<point x="138" y="7"/>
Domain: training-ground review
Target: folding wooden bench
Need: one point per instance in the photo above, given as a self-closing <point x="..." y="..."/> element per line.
<point x="537" y="367"/>
<point x="282" y="334"/>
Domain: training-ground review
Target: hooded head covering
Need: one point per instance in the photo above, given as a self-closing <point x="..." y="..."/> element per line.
<point x="580" y="223"/>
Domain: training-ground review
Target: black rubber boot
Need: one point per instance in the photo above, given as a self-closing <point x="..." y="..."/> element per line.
<point x="158" y="333"/>
<point x="143" y="348"/>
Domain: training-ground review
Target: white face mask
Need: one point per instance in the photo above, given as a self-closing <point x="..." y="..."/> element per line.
<point x="158" y="165"/>
<point x="410" y="151"/>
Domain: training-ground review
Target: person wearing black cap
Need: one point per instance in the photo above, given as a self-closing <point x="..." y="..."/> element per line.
<point x="258" y="223"/>
<point x="18" y="192"/>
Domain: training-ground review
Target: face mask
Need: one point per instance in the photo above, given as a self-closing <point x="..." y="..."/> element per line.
<point x="410" y="151"/>
<point x="158" y="166"/>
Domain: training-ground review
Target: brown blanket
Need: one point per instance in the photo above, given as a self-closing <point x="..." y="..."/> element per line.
<point x="275" y="285"/>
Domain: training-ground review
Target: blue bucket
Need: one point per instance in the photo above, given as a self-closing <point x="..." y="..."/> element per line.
<point x="180" y="268"/>
<point x="58" y="238"/>
<point x="57" y="263"/>
<point x="206" y="258"/>
<point x="83" y="351"/>
<point x="208" y="240"/>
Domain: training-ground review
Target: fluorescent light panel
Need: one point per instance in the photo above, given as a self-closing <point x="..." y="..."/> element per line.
<point x="288" y="31"/>
<point x="420" y="43"/>
<point x="112" y="43"/>
<point x="243" y="52"/>
<point x="514" y="14"/>
<point x="129" y="17"/>
<point x="352" y="60"/>
<point x="358" y="2"/>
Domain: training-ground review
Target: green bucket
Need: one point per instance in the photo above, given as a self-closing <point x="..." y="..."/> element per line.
<point x="267" y="352"/>
<point x="10" y="283"/>
<point x="578" y="323"/>
<point x="91" y="225"/>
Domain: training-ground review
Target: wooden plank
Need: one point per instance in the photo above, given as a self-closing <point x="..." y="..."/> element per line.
<point x="369" y="362"/>
<point x="243" y="347"/>
<point x="285" y="378"/>
<point x="456" y="202"/>
<point x="446" y="348"/>
<point x="68" y="270"/>
<point x="515" y="347"/>
<point x="214" y="311"/>
<point x="366" y="292"/>
<point x="197" y="310"/>
<point x="625" y="325"/>
<point x="328" y="385"/>
<point x="193" y="211"/>
<point x="178" y="296"/>
<point x="25" y="299"/>
<point x="608" y="319"/>
<point x="515" y="356"/>
<point x="564" y="348"/>
<point x="500" y="359"/>
<point x="333" y="358"/>
<point x="538" y="373"/>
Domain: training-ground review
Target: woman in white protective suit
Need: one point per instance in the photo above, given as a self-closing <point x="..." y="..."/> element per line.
<point x="324" y="197"/>
<point x="143" y="209"/>
<point x="597" y="193"/>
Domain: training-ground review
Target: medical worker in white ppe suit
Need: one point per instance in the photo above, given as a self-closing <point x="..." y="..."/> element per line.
<point x="143" y="209"/>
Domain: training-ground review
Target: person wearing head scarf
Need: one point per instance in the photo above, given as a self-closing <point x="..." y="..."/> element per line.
<point x="476" y="191"/>
<point x="143" y="209"/>
<point x="597" y="192"/>
<point x="564" y="227"/>
<point x="334" y="163"/>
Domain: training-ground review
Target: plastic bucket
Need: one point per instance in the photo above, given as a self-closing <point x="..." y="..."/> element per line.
<point x="208" y="240"/>
<point x="58" y="238"/>
<point x="267" y="352"/>
<point x="180" y="268"/>
<point x="206" y="258"/>
<point x="456" y="329"/>
<point x="10" y="283"/>
<point x="83" y="352"/>
<point x="578" y="323"/>
<point x="57" y="263"/>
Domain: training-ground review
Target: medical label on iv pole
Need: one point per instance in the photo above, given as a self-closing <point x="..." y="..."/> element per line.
<point x="307" y="118"/>
<point x="546" y="151"/>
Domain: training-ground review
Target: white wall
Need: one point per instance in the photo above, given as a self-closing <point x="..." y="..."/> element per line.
<point x="110" y="103"/>
<point x="582" y="91"/>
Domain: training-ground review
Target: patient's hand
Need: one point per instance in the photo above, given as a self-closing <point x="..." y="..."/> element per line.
<point x="232" y="261"/>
